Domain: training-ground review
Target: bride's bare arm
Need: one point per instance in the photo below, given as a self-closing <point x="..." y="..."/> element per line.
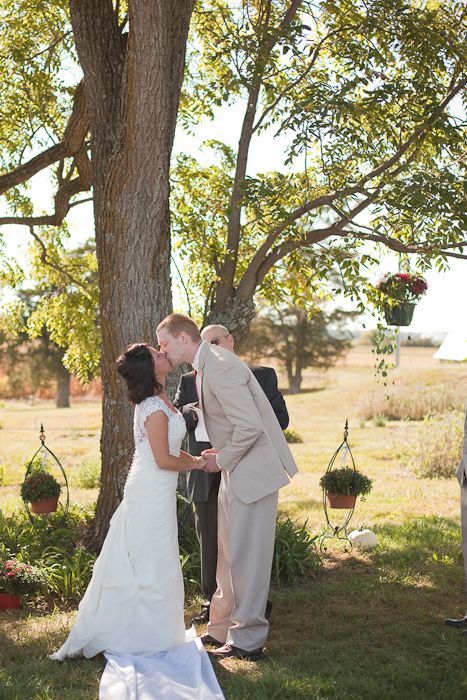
<point x="157" y="427"/>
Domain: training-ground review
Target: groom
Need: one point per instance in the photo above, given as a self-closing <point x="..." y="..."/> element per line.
<point x="250" y="451"/>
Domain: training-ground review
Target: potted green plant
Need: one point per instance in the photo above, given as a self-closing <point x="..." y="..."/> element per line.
<point x="18" y="578"/>
<point x="342" y="486"/>
<point x="41" y="490"/>
<point x="399" y="294"/>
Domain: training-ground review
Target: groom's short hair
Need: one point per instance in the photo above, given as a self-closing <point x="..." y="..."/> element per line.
<point x="176" y="323"/>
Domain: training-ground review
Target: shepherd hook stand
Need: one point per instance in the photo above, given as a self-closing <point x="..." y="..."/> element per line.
<point x="338" y="531"/>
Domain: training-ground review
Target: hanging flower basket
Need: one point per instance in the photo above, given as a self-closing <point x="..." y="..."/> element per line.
<point x="45" y="505"/>
<point x="342" y="486"/>
<point x="338" y="500"/>
<point x="397" y="294"/>
<point x="9" y="601"/>
<point x="42" y="490"/>
<point x="399" y="314"/>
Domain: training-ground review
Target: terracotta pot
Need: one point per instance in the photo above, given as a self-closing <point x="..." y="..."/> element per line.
<point x="338" y="500"/>
<point x="400" y="314"/>
<point x="45" y="505"/>
<point x="9" y="601"/>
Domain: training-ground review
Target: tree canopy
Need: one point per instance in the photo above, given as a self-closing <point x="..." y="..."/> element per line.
<point x="366" y="94"/>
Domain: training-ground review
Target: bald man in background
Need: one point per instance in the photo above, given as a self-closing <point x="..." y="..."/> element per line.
<point x="203" y="487"/>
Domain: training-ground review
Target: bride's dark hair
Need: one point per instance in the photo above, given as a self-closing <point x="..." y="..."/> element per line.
<point x="136" y="366"/>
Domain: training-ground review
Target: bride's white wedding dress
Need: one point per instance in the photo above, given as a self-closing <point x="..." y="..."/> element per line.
<point x="133" y="605"/>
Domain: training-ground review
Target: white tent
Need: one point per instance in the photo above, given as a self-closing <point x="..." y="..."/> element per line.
<point x="453" y="347"/>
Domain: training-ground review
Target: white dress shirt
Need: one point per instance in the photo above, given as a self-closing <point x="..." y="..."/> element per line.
<point x="201" y="434"/>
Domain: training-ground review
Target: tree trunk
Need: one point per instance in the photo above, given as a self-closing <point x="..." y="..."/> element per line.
<point x="295" y="381"/>
<point x="63" y="387"/>
<point x="133" y="90"/>
<point x="236" y="315"/>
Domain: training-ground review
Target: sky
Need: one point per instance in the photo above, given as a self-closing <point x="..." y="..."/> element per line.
<point x="439" y="311"/>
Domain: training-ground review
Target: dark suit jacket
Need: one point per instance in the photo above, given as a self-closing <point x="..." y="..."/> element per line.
<point x="199" y="482"/>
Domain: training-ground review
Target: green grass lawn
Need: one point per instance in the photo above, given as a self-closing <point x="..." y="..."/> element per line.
<point x="368" y="626"/>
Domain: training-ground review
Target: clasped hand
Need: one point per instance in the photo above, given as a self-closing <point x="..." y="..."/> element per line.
<point x="211" y="462"/>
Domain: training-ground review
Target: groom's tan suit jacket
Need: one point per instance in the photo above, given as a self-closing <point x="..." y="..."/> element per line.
<point x="242" y="426"/>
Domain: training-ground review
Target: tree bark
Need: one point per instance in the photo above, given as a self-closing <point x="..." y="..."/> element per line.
<point x="295" y="382"/>
<point x="132" y="88"/>
<point x="63" y="387"/>
<point x="235" y="314"/>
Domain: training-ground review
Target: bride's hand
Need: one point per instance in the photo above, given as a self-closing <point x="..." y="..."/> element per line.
<point x="200" y="462"/>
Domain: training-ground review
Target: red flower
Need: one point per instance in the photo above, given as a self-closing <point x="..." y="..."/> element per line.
<point x="419" y="286"/>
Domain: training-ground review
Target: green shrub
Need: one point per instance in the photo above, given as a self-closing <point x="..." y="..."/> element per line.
<point x="291" y="435"/>
<point x="346" y="482"/>
<point x="89" y="475"/>
<point x="295" y="553"/>
<point x="438" y="448"/>
<point x="53" y="546"/>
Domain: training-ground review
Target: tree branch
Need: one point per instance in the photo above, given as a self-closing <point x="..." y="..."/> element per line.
<point x="233" y="228"/>
<point x="46" y="260"/>
<point x="101" y="49"/>
<point x="183" y="284"/>
<point x="401" y="247"/>
<point x="65" y="192"/>
<point x="416" y="139"/>
<point x="318" y="235"/>
<point x="421" y="132"/>
<point x="298" y="80"/>
<point x="73" y="138"/>
<point x="51" y="46"/>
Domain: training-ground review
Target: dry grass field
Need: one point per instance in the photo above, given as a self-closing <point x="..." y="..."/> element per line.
<point x="370" y="624"/>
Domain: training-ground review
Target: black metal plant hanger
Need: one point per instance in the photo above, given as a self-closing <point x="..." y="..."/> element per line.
<point x="338" y="531"/>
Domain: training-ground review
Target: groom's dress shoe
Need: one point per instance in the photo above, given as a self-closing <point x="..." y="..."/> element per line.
<point x="228" y="651"/>
<point x="459" y="623"/>
<point x="207" y="640"/>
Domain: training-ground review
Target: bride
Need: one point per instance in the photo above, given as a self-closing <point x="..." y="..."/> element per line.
<point x="134" y="602"/>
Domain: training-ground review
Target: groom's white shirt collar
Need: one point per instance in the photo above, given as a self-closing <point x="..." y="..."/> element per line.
<point x="195" y="363"/>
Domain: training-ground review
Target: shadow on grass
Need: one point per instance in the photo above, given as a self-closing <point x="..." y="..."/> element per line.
<point x="305" y="504"/>
<point x="369" y="626"/>
<point x="308" y="390"/>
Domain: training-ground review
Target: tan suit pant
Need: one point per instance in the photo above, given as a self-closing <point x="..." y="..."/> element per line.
<point x="245" y="551"/>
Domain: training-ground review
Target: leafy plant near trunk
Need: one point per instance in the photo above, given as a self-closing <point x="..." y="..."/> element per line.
<point x="295" y="553"/>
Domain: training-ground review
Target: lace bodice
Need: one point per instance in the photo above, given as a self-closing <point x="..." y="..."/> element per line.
<point x="150" y="405"/>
